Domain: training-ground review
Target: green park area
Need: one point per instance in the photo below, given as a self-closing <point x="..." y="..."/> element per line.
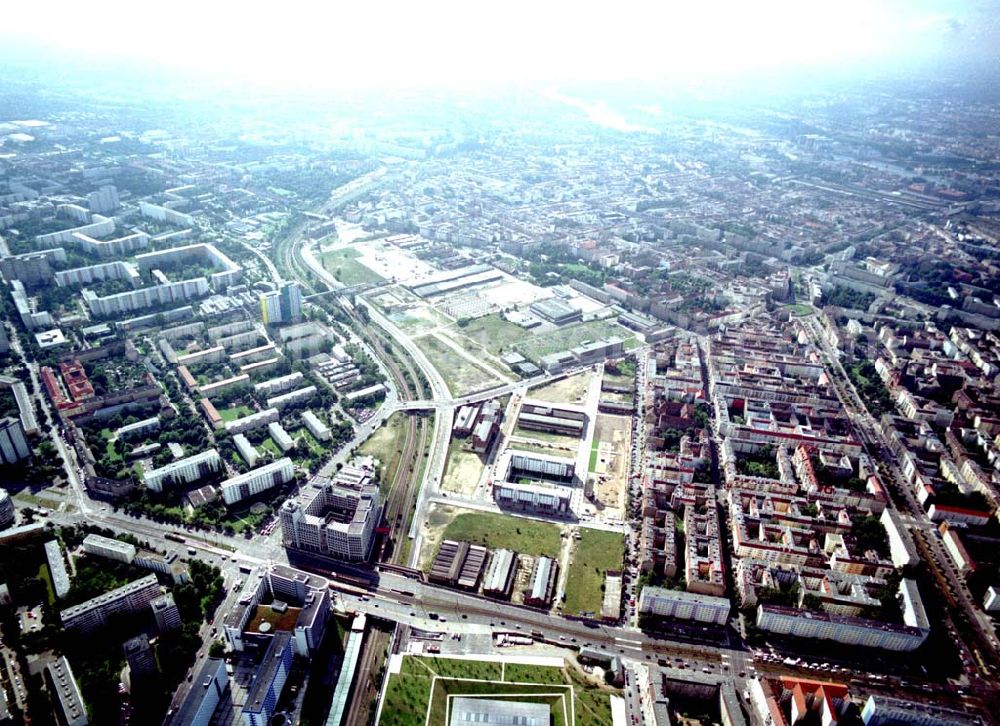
<point x="421" y="692"/>
<point x="799" y="310"/>
<point x="596" y="552"/>
<point x="594" y="452"/>
<point x="501" y="531"/>
<point x="234" y="412"/>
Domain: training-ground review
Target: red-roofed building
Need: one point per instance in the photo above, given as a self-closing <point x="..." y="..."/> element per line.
<point x="53" y="388"/>
<point x="788" y="701"/>
<point x="211" y="413"/>
<point x="948" y="513"/>
<point x="77" y="383"/>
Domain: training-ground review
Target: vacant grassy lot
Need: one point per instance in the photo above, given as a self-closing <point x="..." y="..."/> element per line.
<point x="461" y="375"/>
<point x="572" y="336"/>
<point x="497" y="531"/>
<point x="386" y="444"/>
<point x="492" y="333"/>
<point x="344" y="265"/>
<point x="596" y="552"/>
<point x="572" y="389"/>
<point x="464" y="468"/>
<point x="547" y="437"/>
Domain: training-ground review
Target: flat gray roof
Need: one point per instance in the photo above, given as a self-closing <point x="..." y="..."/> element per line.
<point x="502" y="712"/>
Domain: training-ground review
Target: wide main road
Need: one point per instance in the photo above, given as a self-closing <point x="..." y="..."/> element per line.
<point x="410" y="602"/>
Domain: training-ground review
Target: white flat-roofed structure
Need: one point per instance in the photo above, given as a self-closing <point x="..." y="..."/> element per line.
<point x="118" y="247"/>
<point x="99" y="226"/>
<point x="681" y="605"/>
<point x="246" y="449"/>
<point x="497" y="712"/>
<point x="363" y="392"/>
<point x="7" y="514"/>
<point x="112" y="549"/>
<point x="316" y="427"/>
<point x="57" y="567"/>
<point x="165" y="613"/>
<point x="79" y="276"/>
<point x="279" y="436"/>
<point x="128" y="598"/>
<point x="841" y="629"/>
<point x="25" y="409"/>
<point x="62" y="685"/>
<point x="914" y="614"/>
<point x="258" y="480"/>
<point x="279" y="384"/>
<point x="165" y="214"/>
<point x="991" y="601"/>
<point x="184" y="471"/>
<point x="217" y="388"/>
<point x="14" y="445"/>
<point x="268" y="350"/>
<point x="292" y="397"/>
<point x="883" y="710"/>
<point x="902" y="550"/>
<point x="252" y="421"/>
<point x="165" y="293"/>
<point x="214" y="354"/>
<point x="137" y="429"/>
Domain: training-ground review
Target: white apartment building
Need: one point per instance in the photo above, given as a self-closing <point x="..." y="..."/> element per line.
<point x="902" y="550"/>
<point x="113" y="549"/>
<point x="129" y="598"/>
<point x="316" y="427"/>
<point x="681" y="605"/>
<point x="287" y="399"/>
<point x="246" y="449"/>
<point x="13" y="443"/>
<point x="280" y="436"/>
<point x="184" y="471"/>
<point x="253" y="421"/>
<point x="279" y="385"/>
<point x="163" y="294"/>
<point x="241" y="487"/>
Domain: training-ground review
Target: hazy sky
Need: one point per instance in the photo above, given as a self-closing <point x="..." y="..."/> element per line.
<point x="442" y="42"/>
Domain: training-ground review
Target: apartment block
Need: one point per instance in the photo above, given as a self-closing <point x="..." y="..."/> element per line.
<point x="128" y="598"/>
<point x="243" y="486"/>
<point x="184" y="471"/>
